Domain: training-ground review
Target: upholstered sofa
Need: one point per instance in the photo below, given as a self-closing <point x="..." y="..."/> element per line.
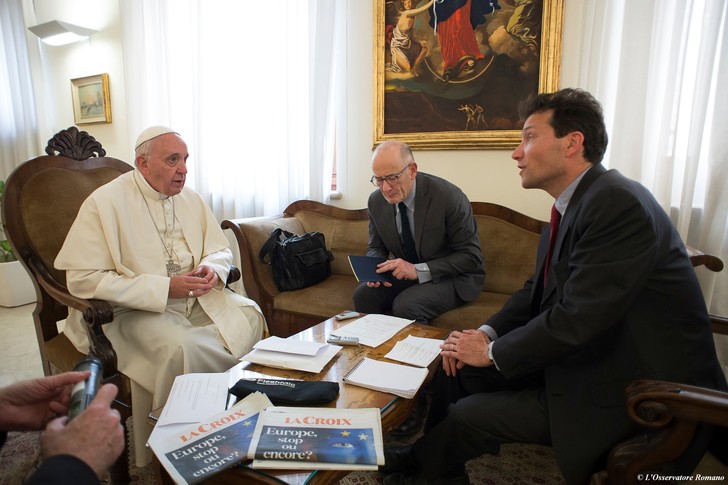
<point x="508" y="241"/>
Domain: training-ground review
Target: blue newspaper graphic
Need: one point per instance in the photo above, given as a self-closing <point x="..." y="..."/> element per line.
<point x="215" y="452"/>
<point x="195" y="452"/>
<point x="306" y="438"/>
<point x="352" y="446"/>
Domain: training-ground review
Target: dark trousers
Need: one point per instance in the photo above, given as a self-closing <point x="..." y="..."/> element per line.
<point x="474" y="412"/>
<point x="408" y="299"/>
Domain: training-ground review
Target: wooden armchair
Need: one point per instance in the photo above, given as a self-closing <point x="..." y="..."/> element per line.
<point x="674" y="410"/>
<point x="41" y="199"/>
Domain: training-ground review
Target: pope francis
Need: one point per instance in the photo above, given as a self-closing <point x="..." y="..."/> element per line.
<point x="154" y="250"/>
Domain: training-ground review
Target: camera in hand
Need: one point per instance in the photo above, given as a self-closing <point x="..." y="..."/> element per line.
<point x="83" y="392"/>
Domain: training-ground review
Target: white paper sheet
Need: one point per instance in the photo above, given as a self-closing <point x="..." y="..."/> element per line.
<point x="417" y="351"/>
<point x="373" y="329"/>
<point x="282" y="360"/>
<point x="289" y="346"/>
<point x="194" y="396"/>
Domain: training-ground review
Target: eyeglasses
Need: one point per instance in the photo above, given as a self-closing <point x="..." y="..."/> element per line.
<point x="390" y="179"/>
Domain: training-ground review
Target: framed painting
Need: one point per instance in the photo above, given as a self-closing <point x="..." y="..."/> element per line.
<point x="91" y="101"/>
<point x="450" y="74"/>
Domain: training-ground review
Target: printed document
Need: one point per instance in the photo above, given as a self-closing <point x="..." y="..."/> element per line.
<point x="194" y="396"/>
<point x="417" y="351"/>
<point x="374" y="329"/>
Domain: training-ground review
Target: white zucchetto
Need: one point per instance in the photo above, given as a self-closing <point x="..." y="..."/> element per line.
<point x="152" y="132"/>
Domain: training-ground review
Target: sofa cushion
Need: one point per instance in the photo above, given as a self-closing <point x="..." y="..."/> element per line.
<point x="473" y="314"/>
<point x="509" y="252"/>
<point x="327" y="298"/>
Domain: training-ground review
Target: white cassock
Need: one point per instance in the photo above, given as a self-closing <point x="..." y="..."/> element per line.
<point x="118" y="250"/>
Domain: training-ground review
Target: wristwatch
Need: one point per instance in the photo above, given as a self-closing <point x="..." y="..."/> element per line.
<point x="490" y="352"/>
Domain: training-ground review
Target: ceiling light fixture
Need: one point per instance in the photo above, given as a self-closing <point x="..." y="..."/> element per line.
<point x="57" y="32"/>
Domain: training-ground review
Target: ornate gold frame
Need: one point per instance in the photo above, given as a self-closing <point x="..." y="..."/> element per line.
<point x="96" y="89"/>
<point x="549" y="75"/>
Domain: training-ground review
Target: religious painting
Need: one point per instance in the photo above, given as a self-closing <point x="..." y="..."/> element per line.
<point x="91" y="99"/>
<point x="450" y="74"/>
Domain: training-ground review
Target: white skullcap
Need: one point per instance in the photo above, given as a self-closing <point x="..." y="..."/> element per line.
<point x="152" y="132"/>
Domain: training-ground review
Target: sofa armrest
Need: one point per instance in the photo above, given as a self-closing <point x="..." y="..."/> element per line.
<point x="250" y="234"/>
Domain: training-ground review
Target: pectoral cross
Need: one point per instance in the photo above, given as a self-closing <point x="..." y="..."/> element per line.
<point x="173" y="268"/>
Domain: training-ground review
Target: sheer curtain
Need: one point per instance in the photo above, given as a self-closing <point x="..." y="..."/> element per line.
<point x="254" y="88"/>
<point x="18" y="125"/>
<point x="660" y="67"/>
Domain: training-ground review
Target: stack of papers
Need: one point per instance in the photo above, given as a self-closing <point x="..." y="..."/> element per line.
<point x="292" y="354"/>
<point x="397" y="379"/>
<point x="373" y="330"/>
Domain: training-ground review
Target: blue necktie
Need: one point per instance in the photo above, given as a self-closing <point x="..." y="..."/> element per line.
<point x="410" y="253"/>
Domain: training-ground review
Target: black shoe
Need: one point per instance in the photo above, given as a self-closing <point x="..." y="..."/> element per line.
<point x="412" y="425"/>
<point x="399" y="459"/>
<point x="421" y="479"/>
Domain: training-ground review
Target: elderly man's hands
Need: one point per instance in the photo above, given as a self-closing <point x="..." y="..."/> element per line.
<point x="469" y="347"/>
<point x="193" y="284"/>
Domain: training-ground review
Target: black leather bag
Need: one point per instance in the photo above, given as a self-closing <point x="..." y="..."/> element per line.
<point x="297" y="261"/>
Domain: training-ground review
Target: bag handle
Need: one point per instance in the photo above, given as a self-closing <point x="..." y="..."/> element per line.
<point x="268" y="245"/>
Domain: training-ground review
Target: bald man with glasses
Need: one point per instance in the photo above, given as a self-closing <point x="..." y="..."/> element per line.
<point x="424" y="227"/>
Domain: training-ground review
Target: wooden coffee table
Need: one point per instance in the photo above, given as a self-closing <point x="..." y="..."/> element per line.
<point x="394" y="409"/>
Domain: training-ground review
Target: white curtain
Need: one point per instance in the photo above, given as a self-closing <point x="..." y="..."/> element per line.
<point x="253" y="87"/>
<point x="18" y="125"/>
<point x="660" y="67"/>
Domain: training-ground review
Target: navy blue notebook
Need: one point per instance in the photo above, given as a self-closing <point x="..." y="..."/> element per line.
<point x="365" y="269"/>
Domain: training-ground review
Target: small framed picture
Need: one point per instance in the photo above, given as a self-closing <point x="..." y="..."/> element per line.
<point x="91" y="100"/>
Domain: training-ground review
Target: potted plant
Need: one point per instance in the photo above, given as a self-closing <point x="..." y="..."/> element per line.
<point x="16" y="287"/>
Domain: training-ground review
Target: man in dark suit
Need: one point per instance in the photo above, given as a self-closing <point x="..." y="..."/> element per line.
<point x="436" y="260"/>
<point x="616" y="300"/>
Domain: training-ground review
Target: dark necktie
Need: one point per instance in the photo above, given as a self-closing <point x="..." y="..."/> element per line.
<point x="555" y="220"/>
<point x="410" y="253"/>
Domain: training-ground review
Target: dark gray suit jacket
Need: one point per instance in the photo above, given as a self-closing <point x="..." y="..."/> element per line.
<point x="446" y="234"/>
<point x="622" y="303"/>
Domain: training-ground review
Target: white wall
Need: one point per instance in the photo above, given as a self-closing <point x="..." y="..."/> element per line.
<point x="102" y="53"/>
<point x="484" y="175"/>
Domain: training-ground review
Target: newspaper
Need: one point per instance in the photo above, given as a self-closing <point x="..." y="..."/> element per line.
<point x="212" y="445"/>
<point x="318" y="439"/>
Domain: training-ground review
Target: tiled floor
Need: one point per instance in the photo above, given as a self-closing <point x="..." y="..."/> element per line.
<point x="19" y="355"/>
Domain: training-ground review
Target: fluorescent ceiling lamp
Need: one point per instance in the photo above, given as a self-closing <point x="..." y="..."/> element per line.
<point x="56" y="32"/>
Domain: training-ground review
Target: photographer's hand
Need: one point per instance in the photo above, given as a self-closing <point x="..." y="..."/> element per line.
<point x="95" y="436"/>
<point x="28" y="405"/>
